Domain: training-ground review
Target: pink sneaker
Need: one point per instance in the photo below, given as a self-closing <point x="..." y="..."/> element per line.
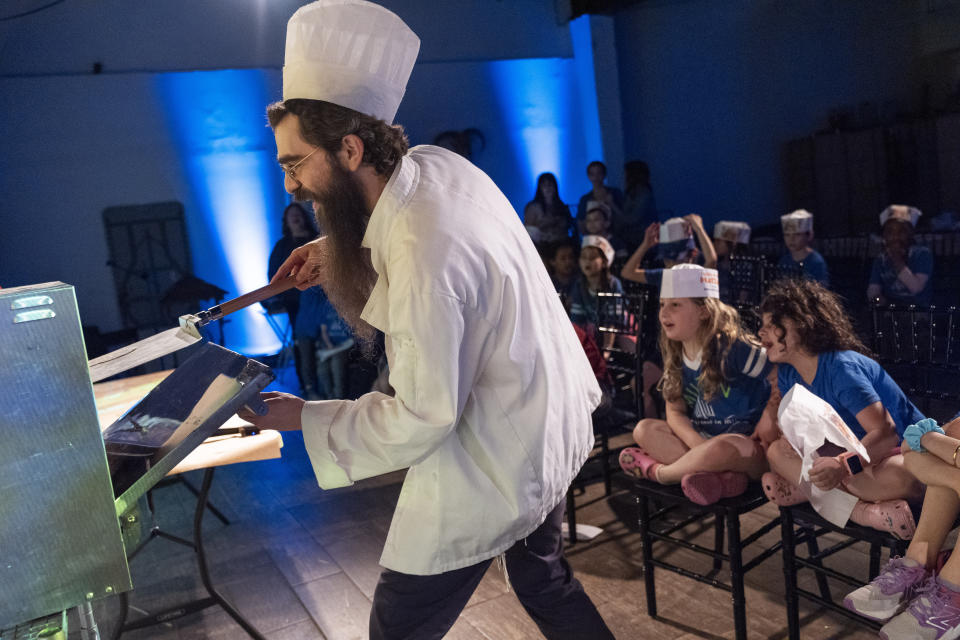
<point x="637" y="463"/>
<point x="706" y="487"/>
<point x="892" y="516"/>
<point x="779" y="491"/>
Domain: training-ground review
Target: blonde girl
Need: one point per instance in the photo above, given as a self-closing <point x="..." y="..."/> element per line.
<point x="717" y="386"/>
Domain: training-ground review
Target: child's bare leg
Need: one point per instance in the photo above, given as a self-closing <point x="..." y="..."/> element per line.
<point x="940" y="508"/>
<point x="890" y="479"/>
<point x="784" y="460"/>
<point x="729" y="452"/>
<point x="658" y="440"/>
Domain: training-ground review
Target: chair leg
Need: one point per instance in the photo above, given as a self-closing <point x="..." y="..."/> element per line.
<point x="646" y="541"/>
<point x="788" y="550"/>
<point x="571" y="516"/>
<point x="718" y="542"/>
<point x="813" y="549"/>
<point x="605" y="462"/>
<point x="736" y="575"/>
<point x="874" y="559"/>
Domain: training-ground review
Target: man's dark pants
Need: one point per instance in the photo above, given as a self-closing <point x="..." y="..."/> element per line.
<point x="408" y="607"/>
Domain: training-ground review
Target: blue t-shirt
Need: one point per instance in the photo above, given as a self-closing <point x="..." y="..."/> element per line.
<point x="584" y="309"/>
<point x="737" y="405"/>
<point x="654" y="277"/>
<point x="850" y="382"/>
<point x="316" y="310"/>
<point x="813" y="267"/>
<point x="919" y="261"/>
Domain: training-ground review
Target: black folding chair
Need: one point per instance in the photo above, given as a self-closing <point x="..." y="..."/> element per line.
<point x="619" y="316"/>
<point x="656" y="503"/>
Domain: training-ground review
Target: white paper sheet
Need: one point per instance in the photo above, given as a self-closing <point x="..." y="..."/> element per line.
<point x="807" y="421"/>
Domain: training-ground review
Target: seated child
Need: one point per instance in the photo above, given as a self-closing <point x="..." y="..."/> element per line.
<point x="800" y="257"/>
<point x="596" y="254"/>
<point x="675" y="244"/>
<point x="674" y="240"/>
<point x="806" y="332"/>
<point x="597" y="222"/>
<point x="561" y="259"/>
<point x="920" y="598"/>
<point x="716" y="386"/>
<point x="901" y="273"/>
<point x="730" y="239"/>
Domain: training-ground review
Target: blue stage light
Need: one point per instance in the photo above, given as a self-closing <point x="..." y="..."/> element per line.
<point x="228" y="156"/>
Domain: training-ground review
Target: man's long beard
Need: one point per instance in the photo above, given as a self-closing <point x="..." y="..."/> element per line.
<point x="342" y="215"/>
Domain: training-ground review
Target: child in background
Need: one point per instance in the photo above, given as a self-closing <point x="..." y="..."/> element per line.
<point x="716" y="386"/>
<point x="926" y="597"/>
<point x="547" y="213"/>
<point x="597" y="223"/>
<point x="730" y="239"/>
<point x="675" y="244"/>
<point x="800" y="257"/>
<point x="324" y="341"/>
<point x="901" y="273"/>
<point x="596" y="254"/>
<point x="807" y="334"/>
<point x="562" y="265"/>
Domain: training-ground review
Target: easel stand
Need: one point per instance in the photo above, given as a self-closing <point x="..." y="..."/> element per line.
<point x="214" y="598"/>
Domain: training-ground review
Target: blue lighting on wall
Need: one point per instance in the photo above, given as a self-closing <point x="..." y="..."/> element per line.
<point x="229" y="159"/>
<point x="538" y="101"/>
<point x="582" y="40"/>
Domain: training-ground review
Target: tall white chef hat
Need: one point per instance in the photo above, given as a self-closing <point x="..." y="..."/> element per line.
<point x="690" y="281"/>
<point x="799" y="221"/>
<point x="732" y="231"/>
<point x="900" y="212"/>
<point x="352" y="53"/>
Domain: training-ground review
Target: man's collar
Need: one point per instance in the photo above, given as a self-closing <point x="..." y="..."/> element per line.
<point x="396" y="193"/>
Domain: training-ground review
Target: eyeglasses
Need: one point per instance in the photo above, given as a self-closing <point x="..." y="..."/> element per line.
<point x="291" y="170"/>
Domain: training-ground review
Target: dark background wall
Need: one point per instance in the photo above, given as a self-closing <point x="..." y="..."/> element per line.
<point x="712" y="90"/>
<point x="707" y="92"/>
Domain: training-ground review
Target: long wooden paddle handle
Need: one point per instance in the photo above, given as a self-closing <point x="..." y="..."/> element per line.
<point x="247" y="299"/>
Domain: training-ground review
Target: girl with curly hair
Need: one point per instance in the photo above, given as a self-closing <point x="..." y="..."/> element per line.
<point x="806" y="332"/>
<point x="717" y="386"/>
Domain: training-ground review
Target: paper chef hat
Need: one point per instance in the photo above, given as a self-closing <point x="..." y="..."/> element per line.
<point x="673" y="230"/>
<point x="352" y="53"/>
<point x="732" y="231"/>
<point x="690" y="281"/>
<point x="800" y="221"/>
<point x="900" y="212"/>
<point x="600" y="243"/>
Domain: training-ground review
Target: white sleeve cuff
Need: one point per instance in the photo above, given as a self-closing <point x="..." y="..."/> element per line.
<point x="316" y="418"/>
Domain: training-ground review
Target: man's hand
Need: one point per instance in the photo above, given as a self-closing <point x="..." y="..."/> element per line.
<point x="307" y="262"/>
<point x="827" y="473"/>
<point x="283" y="412"/>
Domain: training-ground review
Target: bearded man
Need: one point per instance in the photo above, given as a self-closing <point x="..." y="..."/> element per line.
<point x="493" y="393"/>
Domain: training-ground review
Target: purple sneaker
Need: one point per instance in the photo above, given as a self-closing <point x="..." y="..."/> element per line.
<point x="933" y="615"/>
<point x="888" y="593"/>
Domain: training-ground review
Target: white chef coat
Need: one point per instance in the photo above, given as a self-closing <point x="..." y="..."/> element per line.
<point x="494" y="394"/>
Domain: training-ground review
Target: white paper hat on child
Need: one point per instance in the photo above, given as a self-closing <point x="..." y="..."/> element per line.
<point x="690" y="281"/>
<point x="673" y="230"/>
<point x="799" y="221"/>
<point x="352" y="53"/>
<point x="600" y="243"/>
<point x="900" y="212"/>
<point x="732" y="231"/>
